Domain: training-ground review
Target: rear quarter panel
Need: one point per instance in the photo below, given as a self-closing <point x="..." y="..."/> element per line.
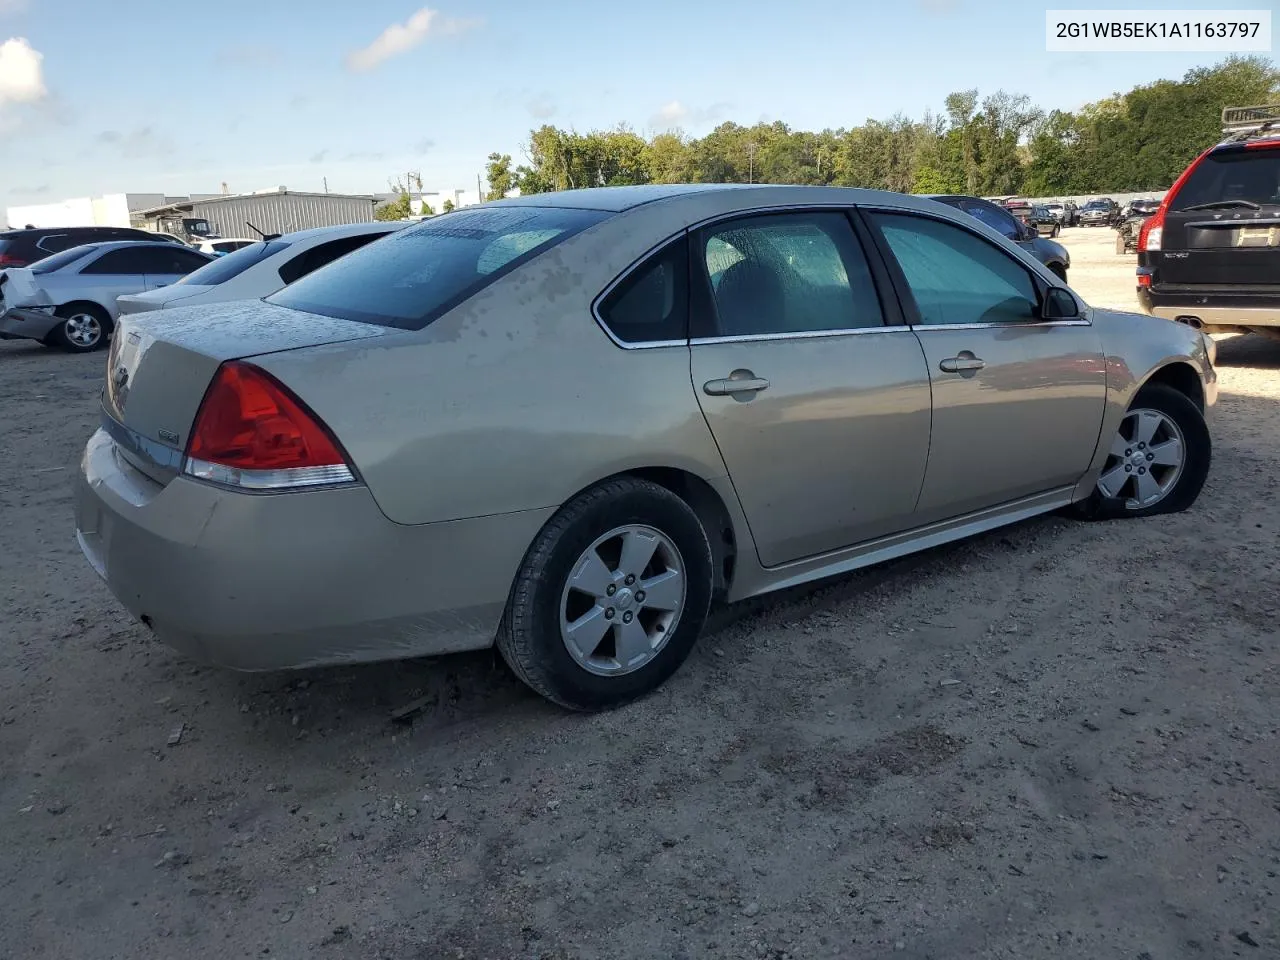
<point x="515" y="400"/>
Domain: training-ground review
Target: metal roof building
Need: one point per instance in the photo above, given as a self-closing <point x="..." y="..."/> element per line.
<point x="271" y="211"/>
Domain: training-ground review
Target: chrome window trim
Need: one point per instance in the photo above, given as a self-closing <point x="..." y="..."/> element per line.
<point x="804" y="335"/>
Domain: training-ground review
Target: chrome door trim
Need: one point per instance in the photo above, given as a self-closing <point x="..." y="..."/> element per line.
<point x="1013" y="325"/>
<point x="804" y="335"/>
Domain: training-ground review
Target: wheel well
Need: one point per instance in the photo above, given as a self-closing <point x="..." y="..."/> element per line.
<point x="1057" y="269"/>
<point x="97" y="308"/>
<point x="711" y="511"/>
<point x="1183" y="378"/>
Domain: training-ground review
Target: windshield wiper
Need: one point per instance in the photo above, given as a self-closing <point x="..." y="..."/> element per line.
<point x="1222" y="203"/>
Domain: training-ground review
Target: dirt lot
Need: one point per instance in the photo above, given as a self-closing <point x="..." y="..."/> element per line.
<point x="1057" y="740"/>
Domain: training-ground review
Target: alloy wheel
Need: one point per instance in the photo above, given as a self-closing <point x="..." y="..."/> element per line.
<point x="623" y="600"/>
<point x="1145" y="461"/>
<point x="83" y="329"/>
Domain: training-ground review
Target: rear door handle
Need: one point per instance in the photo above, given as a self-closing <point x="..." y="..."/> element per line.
<point x="966" y="361"/>
<point x="734" y="385"/>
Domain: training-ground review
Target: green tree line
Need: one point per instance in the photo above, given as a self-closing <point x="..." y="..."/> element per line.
<point x="994" y="145"/>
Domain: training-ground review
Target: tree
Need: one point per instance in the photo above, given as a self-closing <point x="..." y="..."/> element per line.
<point x="447" y="206"/>
<point x="426" y="210"/>
<point x="998" y="144"/>
<point x="400" y="206"/>
<point x="502" y="179"/>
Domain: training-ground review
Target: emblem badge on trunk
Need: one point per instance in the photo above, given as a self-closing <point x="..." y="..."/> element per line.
<point x="120" y="385"/>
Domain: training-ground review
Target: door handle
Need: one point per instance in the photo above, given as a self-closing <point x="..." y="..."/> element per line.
<point x="733" y="385"/>
<point x="966" y="361"/>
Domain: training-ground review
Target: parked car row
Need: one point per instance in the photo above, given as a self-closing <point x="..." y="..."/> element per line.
<point x="73" y="299"/>
<point x="566" y="423"/>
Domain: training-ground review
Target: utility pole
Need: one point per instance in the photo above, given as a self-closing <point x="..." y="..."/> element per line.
<point x="479" y="192"/>
<point x="326" y="184"/>
<point x="751" y="161"/>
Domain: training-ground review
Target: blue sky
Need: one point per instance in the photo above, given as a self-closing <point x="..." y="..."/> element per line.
<point x="157" y="95"/>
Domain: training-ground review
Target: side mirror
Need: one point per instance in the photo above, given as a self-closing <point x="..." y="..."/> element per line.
<point x="1059" y="305"/>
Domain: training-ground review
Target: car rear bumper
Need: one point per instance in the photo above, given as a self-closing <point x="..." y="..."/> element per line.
<point x="1219" y="314"/>
<point x="278" y="581"/>
<point x="19" y="323"/>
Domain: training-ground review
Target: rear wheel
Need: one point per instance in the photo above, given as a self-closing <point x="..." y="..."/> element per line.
<point x="610" y="597"/>
<point x="1158" y="460"/>
<point x="84" y="328"/>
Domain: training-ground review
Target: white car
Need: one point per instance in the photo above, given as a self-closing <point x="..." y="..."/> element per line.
<point x="259" y="269"/>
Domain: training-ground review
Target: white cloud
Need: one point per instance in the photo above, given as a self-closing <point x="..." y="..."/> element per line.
<point x="402" y="37"/>
<point x="676" y="114"/>
<point x="541" y="107"/>
<point x="21" y="73"/>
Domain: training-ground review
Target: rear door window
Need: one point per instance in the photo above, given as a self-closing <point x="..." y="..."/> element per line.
<point x="418" y="273"/>
<point x="123" y="261"/>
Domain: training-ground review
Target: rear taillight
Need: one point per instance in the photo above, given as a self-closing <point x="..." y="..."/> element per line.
<point x="1151" y="236"/>
<point x="251" y="432"/>
<point x="8" y="261"/>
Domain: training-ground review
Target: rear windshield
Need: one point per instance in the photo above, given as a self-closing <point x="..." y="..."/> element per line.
<point x="414" y="275"/>
<point x="233" y="264"/>
<point x="1248" y="174"/>
<point x="60" y="260"/>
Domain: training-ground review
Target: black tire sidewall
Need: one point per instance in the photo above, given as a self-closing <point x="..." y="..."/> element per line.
<point x="1198" y="448"/>
<point x="554" y="672"/>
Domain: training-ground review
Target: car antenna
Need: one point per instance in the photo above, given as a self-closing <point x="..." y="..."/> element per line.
<point x="264" y="236"/>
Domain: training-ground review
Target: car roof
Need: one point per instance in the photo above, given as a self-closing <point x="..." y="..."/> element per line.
<point x="728" y="197"/>
<point x="341" y="230"/>
<point x="104" y="245"/>
<point x="24" y="232"/>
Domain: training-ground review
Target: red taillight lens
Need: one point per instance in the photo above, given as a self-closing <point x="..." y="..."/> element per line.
<point x="1151" y="236"/>
<point x="8" y="261"/>
<point x="252" y="432"/>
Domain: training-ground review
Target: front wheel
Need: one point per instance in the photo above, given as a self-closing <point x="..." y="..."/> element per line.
<point x="1158" y="459"/>
<point x="610" y="597"/>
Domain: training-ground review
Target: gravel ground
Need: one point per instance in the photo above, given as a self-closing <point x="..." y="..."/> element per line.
<point x="1055" y="740"/>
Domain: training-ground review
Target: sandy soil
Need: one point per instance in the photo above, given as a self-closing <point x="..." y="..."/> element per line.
<point x="1059" y="740"/>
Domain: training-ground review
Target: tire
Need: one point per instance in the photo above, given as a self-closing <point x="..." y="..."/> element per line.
<point x="1059" y="271"/>
<point x="1271" y="333"/>
<point x="85" y="327"/>
<point x="1184" y="486"/>
<point x="531" y="638"/>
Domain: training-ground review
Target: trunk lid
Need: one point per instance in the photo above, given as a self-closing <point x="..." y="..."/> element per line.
<point x="1223" y="227"/>
<point x="158" y="299"/>
<point x="161" y="363"/>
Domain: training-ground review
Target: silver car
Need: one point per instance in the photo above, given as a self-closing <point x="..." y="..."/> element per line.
<point x="566" y="423"/>
<point x="68" y="300"/>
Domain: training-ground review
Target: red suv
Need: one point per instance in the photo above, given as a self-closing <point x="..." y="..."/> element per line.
<point x="1210" y="255"/>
